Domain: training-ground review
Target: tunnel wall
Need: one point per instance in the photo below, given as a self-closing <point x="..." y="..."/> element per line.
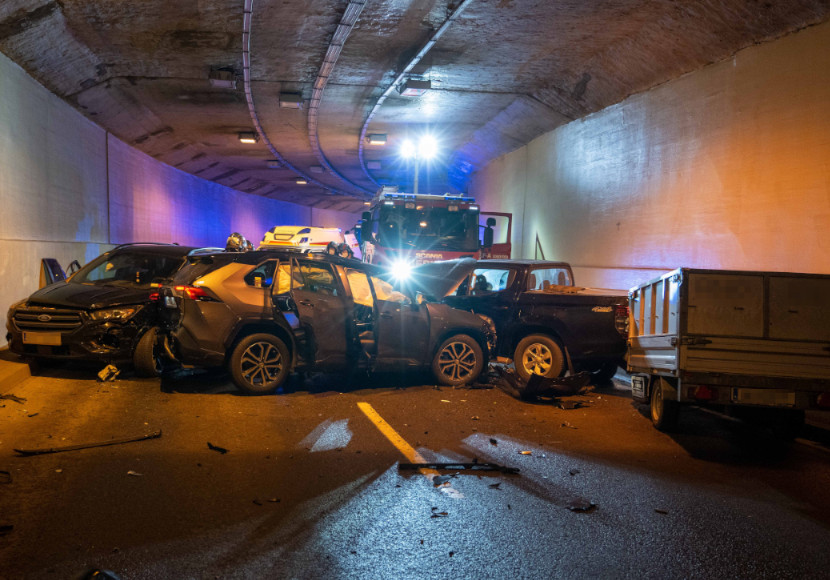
<point x="726" y="167"/>
<point x="69" y="190"/>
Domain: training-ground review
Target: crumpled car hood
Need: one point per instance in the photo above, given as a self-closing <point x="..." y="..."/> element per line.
<point x="436" y="280"/>
<point x="87" y="296"/>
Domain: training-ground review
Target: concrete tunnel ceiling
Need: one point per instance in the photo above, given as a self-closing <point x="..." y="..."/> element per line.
<point x="502" y="72"/>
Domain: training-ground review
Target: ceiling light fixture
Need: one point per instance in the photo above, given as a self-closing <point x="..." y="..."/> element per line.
<point x="301" y="181"/>
<point x="248" y="137"/>
<point x="414" y="88"/>
<point x="291" y="101"/>
<point x="377" y="139"/>
<point x="222" y="78"/>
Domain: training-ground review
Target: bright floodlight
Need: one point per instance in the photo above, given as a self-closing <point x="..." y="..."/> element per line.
<point x="427" y="147"/>
<point x="400" y="269"/>
<point x="408" y="149"/>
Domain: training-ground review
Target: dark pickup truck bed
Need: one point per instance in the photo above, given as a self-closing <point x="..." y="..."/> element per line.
<point x="541" y="318"/>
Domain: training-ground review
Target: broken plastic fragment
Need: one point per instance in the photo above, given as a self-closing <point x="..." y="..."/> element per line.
<point x="495" y="485"/>
<point x="661" y="512"/>
<point x="131" y="472"/>
<point x="574" y="471"/>
<point x="582" y="505"/>
<point x="213" y="447"/>
<point x="525" y="453"/>
<point x="493" y="442"/>
<point x="14" y="398"/>
<point x="108" y="373"/>
<point x="440" y="480"/>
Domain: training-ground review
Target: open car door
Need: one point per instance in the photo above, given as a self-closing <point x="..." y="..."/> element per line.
<point x="322" y="313"/>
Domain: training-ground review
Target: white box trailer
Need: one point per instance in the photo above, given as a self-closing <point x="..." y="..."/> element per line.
<point x="757" y="343"/>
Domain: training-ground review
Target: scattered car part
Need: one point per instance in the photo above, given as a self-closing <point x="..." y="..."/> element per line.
<point x="459" y="466"/>
<point x="108" y="373"/>
<point x="14" y="398"/>
<point x="28" y="452"/>
<point x="213" y="447"/>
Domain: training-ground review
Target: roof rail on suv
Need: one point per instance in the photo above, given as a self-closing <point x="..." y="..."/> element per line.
<point x="119" y="246"/>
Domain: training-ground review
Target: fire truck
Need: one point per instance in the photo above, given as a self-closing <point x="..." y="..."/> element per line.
<point x="417" y="228"/>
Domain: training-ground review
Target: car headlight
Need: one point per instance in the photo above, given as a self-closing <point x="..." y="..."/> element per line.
<point x="119" y="314"/>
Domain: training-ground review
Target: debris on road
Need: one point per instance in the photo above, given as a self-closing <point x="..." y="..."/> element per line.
<point x="582" y="505"/>
<point x="474" y="418"/>
<point x="440" y="480"/>
<point x="539" y="386"/>
<point x="14" y="398"/>
<point x="525" y="453"/>
<point x="109" y="373"/>
<point x="33" y="414"/>
<point x="574" y="471"/>
<point x="213" y="447"/>
<point x="495" y="485"/>
<point x="474" y="466"/>
<point x="135" y="473"/>
<point x="661" y="512"/>
<point x="437" y="514"/>
<point x="566" y="424"/>
<point x="569" y="405"/>
<point x="28" y="452"/>
<point x="493" y="442"/>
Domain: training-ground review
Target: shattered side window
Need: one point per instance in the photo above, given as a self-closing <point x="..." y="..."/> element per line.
<point x="385" y="291"/>
<point x="317" y="278"/>
<point x="283" y="285"/>
<point x="361" y="291"/>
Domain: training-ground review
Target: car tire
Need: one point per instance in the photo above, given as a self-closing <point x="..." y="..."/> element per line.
<point x="259" y="364"/>
<point x="147" y="360"/>
<point x="538" y="354"/>
<point x="664" y="413"/>
<point x="458" y="361"/>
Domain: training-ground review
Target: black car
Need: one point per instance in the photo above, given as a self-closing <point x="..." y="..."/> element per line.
<point x="106" y="311"/>
<point x="266" y="313"/>
<point x="545" y="323"/>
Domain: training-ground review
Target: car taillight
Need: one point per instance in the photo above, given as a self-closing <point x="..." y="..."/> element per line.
<point x="621" y="319"/>
<point x="193" y="292"/>
<point x="154" y="295"/>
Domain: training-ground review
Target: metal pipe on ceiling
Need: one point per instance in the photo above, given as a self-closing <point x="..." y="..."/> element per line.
<point x="247" y="22"/>
<point x="348" y="21"/>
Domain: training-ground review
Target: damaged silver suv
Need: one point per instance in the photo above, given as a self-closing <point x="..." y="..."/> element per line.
<point x="266" y="313"/>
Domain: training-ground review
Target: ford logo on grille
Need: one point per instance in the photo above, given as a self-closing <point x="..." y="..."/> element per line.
<point x="44" y="318"/>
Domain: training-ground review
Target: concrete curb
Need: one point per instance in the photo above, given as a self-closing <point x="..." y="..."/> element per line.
<point x="12" y="372"/>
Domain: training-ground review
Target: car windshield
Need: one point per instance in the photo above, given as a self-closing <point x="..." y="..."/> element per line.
<point x="429" y="229"/>
<point x="136" y="269"/>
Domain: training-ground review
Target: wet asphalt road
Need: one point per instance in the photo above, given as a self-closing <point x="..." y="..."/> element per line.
<point x="309" y="486"/>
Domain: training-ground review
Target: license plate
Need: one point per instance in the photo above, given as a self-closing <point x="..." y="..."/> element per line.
<point x="50" y="338"/>
<point x="170" y="301"/>
<point x="768" y="397"/>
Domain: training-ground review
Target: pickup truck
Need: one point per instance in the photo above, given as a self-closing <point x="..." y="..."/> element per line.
<point x="755" y="344"/>
<point x="545" y="323"/>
